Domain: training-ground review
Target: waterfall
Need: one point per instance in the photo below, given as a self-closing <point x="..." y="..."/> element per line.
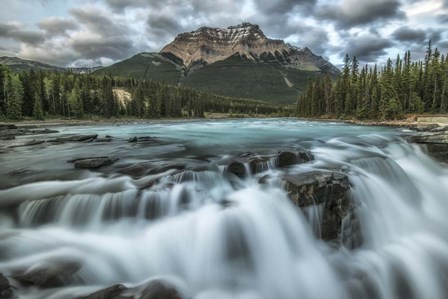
<point x="220" y="236"/>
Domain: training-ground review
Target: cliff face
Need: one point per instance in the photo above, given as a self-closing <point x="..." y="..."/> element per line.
<point x="208" y="45"/>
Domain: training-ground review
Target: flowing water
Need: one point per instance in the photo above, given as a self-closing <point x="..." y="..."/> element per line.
<point x="168" y="210"/>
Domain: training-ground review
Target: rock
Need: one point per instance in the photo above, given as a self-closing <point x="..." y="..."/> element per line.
<point x="258" y="164"/>
<point x="438" y="137"/>
<point x="5" y="288"/>
<point x="21" y="172"/>
<point x="237" y="168"/>
<point x="44" y="131"/>
<point x="50" y="276"/>
<point x="436" y="144"/>
<point x="76" y="138"/>
<point x="330" y="190"/>
<point x="160" y="290"/>
<point x="440" y="129"/>
<point x="7" y="137"/>
<point x="290" y="158"/>
<point x="93" y="162"/>
<point x="141" y="139"/>
<point x="103" y="140"/>
<point x="7" y="127"/>
<point x="286" y="159"/>
<point x="112" y="292"/>
<point x="29" y="143"/>
<point x="423" y="128"/>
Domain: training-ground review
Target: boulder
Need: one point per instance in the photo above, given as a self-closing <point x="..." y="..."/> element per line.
<point x="237" y="168"/>
<point x="5" y="288"/>
<point x="329" y="189"/>
<point x="160" y="290"/>
<point x="49" y="276"/>
<point x="286" y="159"/>
<point x="93" y="162"/>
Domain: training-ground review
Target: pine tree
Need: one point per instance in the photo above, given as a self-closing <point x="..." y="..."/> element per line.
<point x="37" y="109"/>
<point x="14" y="92"/>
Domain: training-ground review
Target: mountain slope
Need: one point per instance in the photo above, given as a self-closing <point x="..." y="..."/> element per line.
<point x="238" y="61"/>
<point x="154" y="66"/>
<point x="17" y="64"/>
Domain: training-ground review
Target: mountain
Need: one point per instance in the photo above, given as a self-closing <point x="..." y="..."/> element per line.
<point x="17" y="64"/>
<point x="238" y="61"/>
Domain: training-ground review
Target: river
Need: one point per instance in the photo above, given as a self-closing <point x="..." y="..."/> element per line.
<point x="168" y="210"/>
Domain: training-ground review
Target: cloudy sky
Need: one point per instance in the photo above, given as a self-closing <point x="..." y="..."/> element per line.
<point x="101" y="32"/>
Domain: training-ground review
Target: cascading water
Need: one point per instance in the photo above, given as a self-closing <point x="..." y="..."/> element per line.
<point x="213" y="234"/>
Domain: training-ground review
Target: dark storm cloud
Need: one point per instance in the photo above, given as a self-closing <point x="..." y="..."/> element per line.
<point x="97" y="22"/>
<point x="112" y="48"/>
<point x="407" y="34"/>
<point x="352" y="13"/>
<point x="57" y="26"/>
<point x="367" y="48"/>
<point x="16" y="33"/>
<point x="162" y="25"/>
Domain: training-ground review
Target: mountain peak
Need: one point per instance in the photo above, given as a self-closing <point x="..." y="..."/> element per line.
<point x="209" y="44"/>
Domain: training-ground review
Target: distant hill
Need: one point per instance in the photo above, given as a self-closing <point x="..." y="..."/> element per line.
<point x="238" y="61"/>
<point x="17" y="64"/>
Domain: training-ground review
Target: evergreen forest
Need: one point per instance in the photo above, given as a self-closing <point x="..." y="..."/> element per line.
<point x="399" y="88"/>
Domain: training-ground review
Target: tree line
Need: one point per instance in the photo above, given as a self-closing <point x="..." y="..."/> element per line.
<point x="399" y="88"/>
<point x="40" y="94"/>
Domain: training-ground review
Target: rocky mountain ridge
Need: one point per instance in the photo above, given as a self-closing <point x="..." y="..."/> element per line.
<point x="208" y="45"/>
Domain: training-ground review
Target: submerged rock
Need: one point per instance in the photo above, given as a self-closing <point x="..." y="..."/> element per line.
<point x="141" y="139"/>
<point x="29" y="143"/>
<point x="112" y="292"/>
<point x="93" y="162"/>
<point x="160" y="290"/>
<point x="51" y="276"/>
<point x="76" y="138"/>
<point x="329" y="189"/>
<point x="5" y="288"/>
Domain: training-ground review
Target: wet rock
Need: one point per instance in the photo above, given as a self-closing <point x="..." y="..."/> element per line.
<point x="29" y="143"/>
<point x="44" y="131"/>
<point x="160" y="290"/>
<point x="50" y="276"/>
<point x="286" y="159"/>
<point x="7" y="127"/>
<point x="93" y="162"/>
<point x="76" y="138"/>
<point x="141" y="139"/>
<point x="22" y="172"/>
<point x="258" y="164"/>
<point x="330" y="190"/>
<point x="237" y="168"/>
<point x="7" y="137"/>
<point x="438" y="137"/>
<point x="112" y="292"/>
<point x="423" y="128"/>
<point x="5" y="288"/>
<point x="103" y="139"/>
<point x="436" y="144"/>
<point x="440" y="129"/>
